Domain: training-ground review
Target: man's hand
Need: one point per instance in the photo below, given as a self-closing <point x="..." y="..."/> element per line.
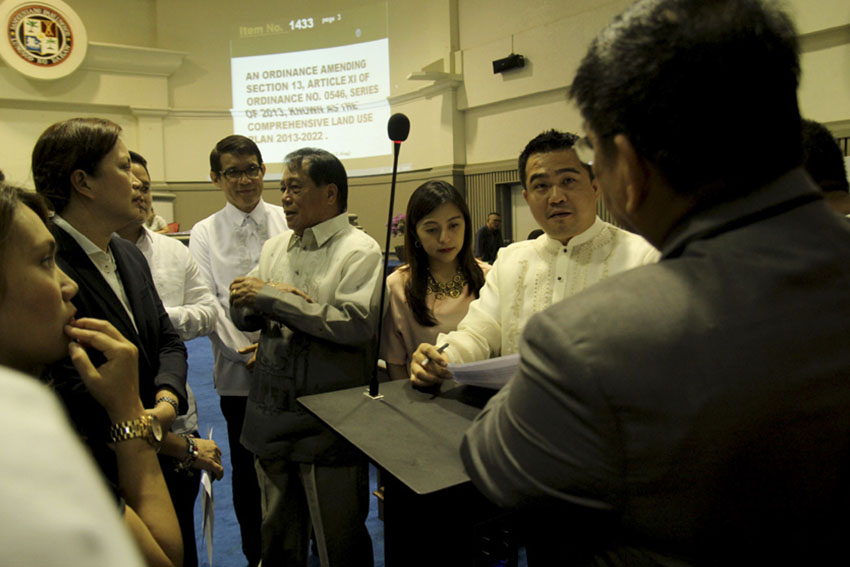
<point x="249" y="364"/>
<point x="244" y="290"/>
<point x="288" y="288"/>
<point x="428" y="366"/>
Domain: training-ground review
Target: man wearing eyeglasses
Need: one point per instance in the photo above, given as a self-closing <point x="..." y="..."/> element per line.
<point x="227" y="245"/>
<point x="695" y="411"/>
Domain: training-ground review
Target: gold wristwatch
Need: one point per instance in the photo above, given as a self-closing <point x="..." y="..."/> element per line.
<point x="146" y="426"/>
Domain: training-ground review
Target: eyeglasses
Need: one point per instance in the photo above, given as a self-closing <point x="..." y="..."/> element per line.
<point x="584" y="150"/>
<point x="251" y="172"/>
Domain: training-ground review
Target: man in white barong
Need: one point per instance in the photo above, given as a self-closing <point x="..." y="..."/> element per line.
<point x="577" y="250"/>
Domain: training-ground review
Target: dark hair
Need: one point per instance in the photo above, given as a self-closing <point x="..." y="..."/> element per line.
<point x="10" y="198"/>
<point x="78" y="143"/>
<point x="323" y="168"/>
<point x="494" y="213"/>
<point x="548" y="141"/>
<point x="237" y="145"/>
<point x="822" y="158"/>
<point x="137" y="158"/>
<point x="423" y="201"/>
<point x="707" y="91"/>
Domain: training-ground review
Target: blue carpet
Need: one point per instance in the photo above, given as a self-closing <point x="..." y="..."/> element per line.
<point x="227" y="546"/>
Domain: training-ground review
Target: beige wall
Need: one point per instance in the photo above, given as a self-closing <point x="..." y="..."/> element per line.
<point x="160" y="68"/>
<point x="824" y="27"/>
<point x="129" y="22"/>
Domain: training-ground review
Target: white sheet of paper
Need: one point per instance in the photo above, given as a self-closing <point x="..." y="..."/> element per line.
<point x="208" y="509"/>
<point x="492" y="373"/>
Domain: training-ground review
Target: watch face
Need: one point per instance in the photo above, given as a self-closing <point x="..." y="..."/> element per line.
<point x="156" y="429"/>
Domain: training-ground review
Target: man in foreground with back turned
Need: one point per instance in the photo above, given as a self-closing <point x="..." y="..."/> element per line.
<point x="695" y="411"/>
<point x="315" y="298"/>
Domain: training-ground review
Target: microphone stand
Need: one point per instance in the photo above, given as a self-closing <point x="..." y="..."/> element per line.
<point x="373" y="382"/>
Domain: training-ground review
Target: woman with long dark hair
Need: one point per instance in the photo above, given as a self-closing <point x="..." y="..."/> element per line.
<point x="431" y="293"/>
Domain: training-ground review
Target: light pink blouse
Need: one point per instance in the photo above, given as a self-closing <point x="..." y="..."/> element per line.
<point x="402" y="333"/>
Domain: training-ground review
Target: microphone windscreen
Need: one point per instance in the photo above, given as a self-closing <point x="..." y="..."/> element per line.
<point x="398" y="127"/>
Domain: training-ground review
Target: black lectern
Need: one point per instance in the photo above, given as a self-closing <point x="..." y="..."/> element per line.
<point x="432" y="513"/>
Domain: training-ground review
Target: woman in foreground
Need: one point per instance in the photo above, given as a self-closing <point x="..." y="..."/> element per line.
<point x="37" y="327"/>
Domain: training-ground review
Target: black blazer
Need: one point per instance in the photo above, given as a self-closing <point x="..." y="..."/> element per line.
<point x="162" y="355"/>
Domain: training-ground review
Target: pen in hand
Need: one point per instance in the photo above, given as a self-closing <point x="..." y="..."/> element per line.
<point x="439" y="350"/>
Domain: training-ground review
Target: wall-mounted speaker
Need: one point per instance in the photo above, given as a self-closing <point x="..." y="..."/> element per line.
<point x="512" y="61"/>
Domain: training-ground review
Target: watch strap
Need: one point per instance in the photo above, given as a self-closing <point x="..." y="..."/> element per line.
<point x="132" y="429"/>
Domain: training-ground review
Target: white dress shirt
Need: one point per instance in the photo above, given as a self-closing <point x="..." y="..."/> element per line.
<point x="227" y="245"/>
<point x="187" y="299"/>
<point x="529" y="276"/>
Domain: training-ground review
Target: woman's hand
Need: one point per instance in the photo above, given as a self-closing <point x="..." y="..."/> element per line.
<point x="115" y="383"/>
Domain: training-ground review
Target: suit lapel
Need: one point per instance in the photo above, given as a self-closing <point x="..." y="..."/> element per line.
<point x="138" y="289"/>
<point x="134" y="285"/>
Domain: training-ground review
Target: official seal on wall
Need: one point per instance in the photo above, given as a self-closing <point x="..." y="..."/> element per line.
<point x="46" y="40"/>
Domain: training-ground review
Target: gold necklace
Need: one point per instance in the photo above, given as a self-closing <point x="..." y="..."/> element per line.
<point x="452" y="288"/>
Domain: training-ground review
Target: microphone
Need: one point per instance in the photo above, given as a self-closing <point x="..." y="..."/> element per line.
<point x="398" y="129"/>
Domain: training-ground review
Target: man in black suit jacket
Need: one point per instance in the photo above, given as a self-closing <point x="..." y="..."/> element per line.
<point x="696" y="411"/>
<point x="83" y="168"/>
